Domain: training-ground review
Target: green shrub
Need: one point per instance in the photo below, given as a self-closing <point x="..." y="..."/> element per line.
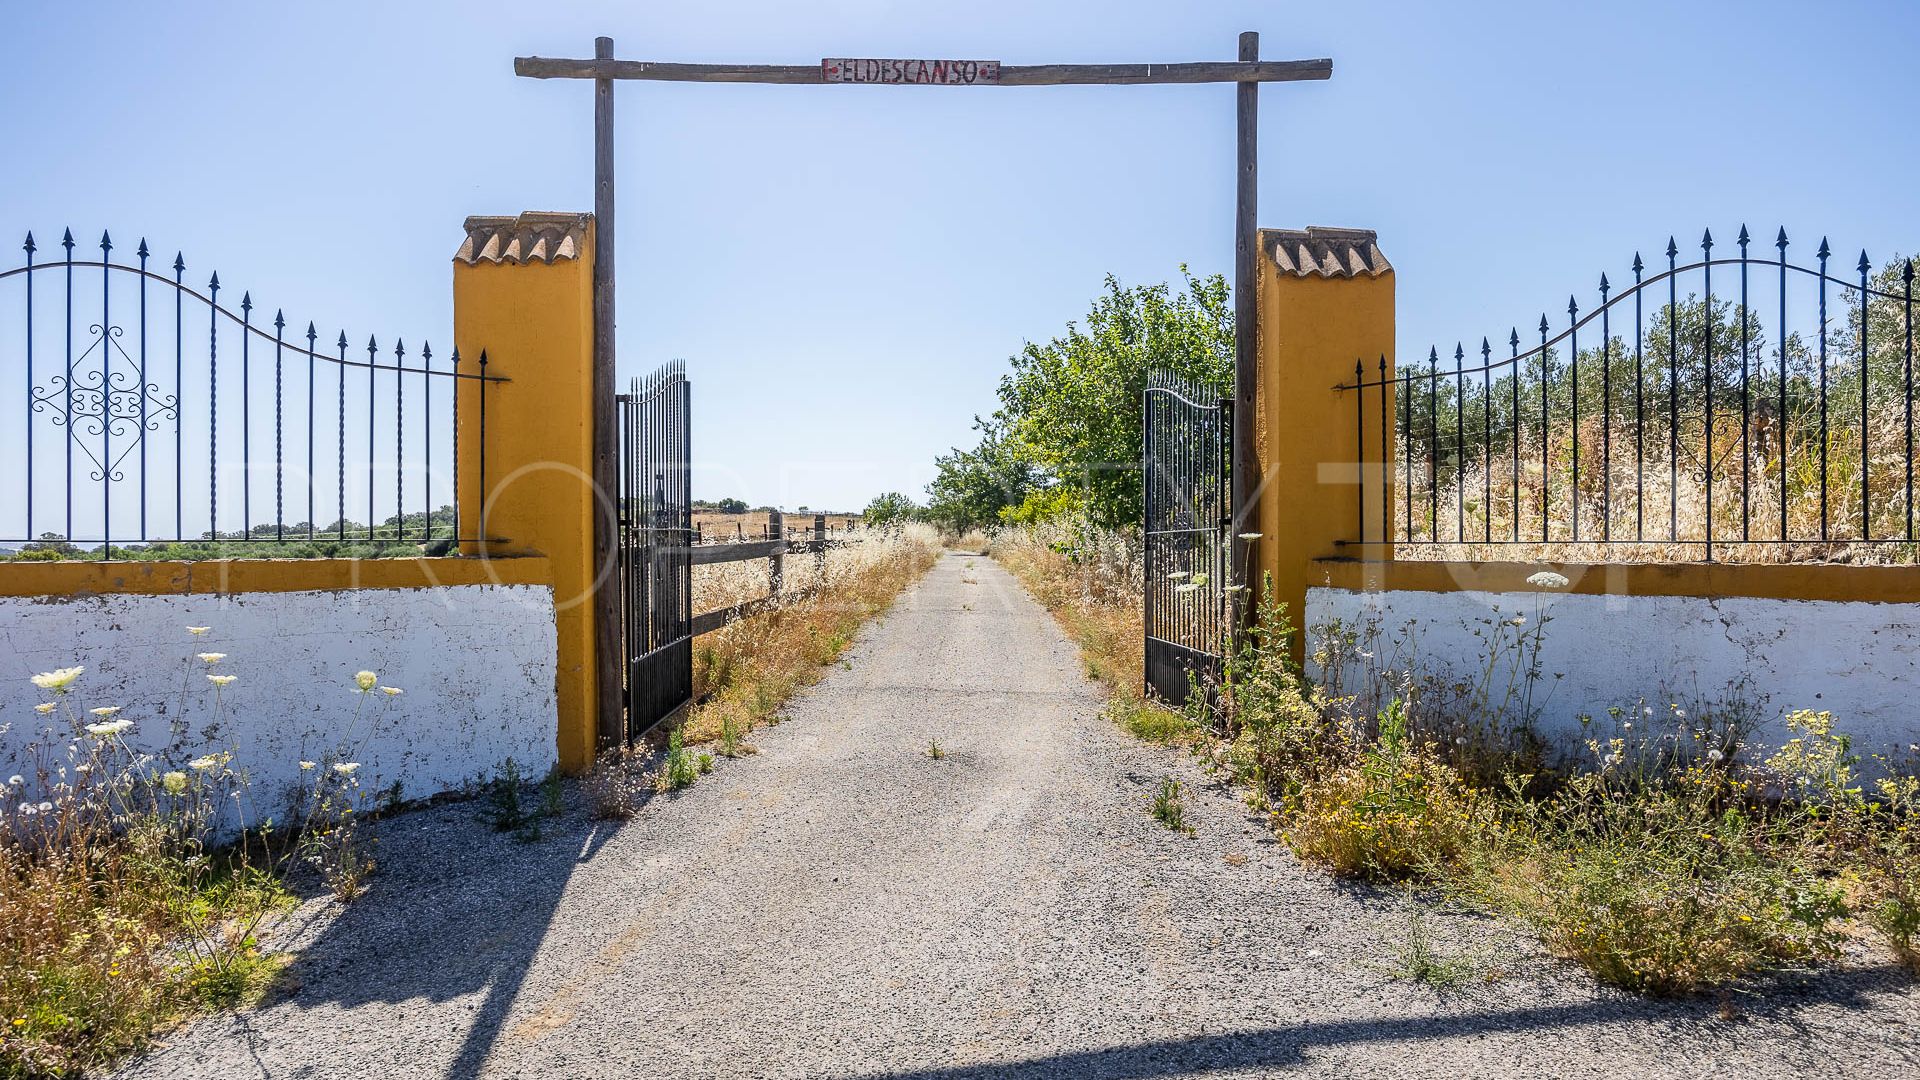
<point x="1395" y="812"/>
<point x="1669" y="889"/>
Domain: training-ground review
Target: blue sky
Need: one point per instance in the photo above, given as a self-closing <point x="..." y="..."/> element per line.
<point x="847" y="269"/>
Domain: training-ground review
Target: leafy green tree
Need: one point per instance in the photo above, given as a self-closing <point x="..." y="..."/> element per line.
<point x="1071" y="407"/>
<point x="890" y="507"/>
<point x="731" y="506"/>
<point x="976" y="487"/>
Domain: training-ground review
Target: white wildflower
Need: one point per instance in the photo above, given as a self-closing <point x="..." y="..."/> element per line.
<point x="209" y="762"/>
<point x="222" y="680"/>
<point x="46" y="707"/>
<point x="366" y="680"/>
<point x="1547" y="579"/>
<point x="105" y="711"/>
<point x="16" y="780"/>
<point x="306" y="766"/>
<point x="345" y="768"/>
<point x="1250" y="536"/>
<point x="392" y="691"/>
<point x="109" y="728"/>
<point x="27" y="810"/>
<point x="1178" y="575"/>
<point x="1199" y="579"/>
<point x="1187" y="588"/>
<point x="196" y="631"/>
<point x="46" y="807"/>
<point x="174" y="782"/>
<point x="1715" y="754"/>
<point x="58" y="680"/>
<point x="213" y="657"/>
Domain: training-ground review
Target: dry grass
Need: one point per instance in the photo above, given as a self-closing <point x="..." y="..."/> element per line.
<point x="744" y="672"/>
<point x="1627" y="505"/>
<point x="973" y="541"/>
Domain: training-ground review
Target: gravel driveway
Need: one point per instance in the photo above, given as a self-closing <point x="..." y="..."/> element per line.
<point x="842" y="904"/>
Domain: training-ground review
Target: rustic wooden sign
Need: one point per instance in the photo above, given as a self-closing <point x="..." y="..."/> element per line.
<point x="924" y="72"/>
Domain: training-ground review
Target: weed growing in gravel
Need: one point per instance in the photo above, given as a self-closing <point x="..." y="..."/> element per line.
<point x="1419" y="958"/>
<point x="732" y="742"/>
<point x="934" y="751"/>
<point x="1168" y="807"/>
<point x="679" y="771"/>
<point x="507" y="808"/>
<point x="706" y="764"/>
<point x="615" y="787"/>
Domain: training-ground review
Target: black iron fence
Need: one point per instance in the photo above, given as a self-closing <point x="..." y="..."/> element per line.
<point x="1765" y="413"/>
<point x="157" y="418"/>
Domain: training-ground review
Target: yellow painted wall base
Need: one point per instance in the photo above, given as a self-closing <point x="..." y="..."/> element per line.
<point x="1763" y="581"/>
<point x="223" y="576"/>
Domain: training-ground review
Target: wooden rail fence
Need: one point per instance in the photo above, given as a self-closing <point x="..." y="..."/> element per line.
<point x="785" y="542"/>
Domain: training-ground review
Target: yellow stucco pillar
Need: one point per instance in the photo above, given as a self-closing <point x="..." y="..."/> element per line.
<point x="1325" y="303"/>
<point x="523" y="296"/>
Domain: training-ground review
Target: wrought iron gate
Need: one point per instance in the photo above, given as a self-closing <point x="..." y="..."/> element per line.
<point x="1187" y="443"/>
<point x="656" y="547"/>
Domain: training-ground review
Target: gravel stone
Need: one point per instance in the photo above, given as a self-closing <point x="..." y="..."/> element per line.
<point x="842" y="904"/>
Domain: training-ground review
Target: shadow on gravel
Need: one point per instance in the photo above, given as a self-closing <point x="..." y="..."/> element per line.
<point x="1778" y="1000"/>
<point x="458" y="911"/>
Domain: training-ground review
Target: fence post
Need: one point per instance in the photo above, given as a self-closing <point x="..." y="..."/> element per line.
<point x="777" y="562"/>
<point x="523" y="293"/>
<point x="1326" y="300"/>
<point x="820" y="547"/>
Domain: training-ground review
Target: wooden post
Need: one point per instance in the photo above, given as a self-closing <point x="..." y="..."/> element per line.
<point x="777" y="562"/>
<point x="820" y="546"/>
<point x="610" y="721"/>
<point x="1246" y="314"/>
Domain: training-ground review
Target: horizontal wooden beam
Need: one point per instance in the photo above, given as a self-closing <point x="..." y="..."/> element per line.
<point x="1208" y="71"/>
<point x="708" y="621"/>
<point x="707" y="554"/>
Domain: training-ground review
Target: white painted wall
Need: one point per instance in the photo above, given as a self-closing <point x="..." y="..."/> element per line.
<point x="476" y="664"/>
<point x="1859" y="661"/>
